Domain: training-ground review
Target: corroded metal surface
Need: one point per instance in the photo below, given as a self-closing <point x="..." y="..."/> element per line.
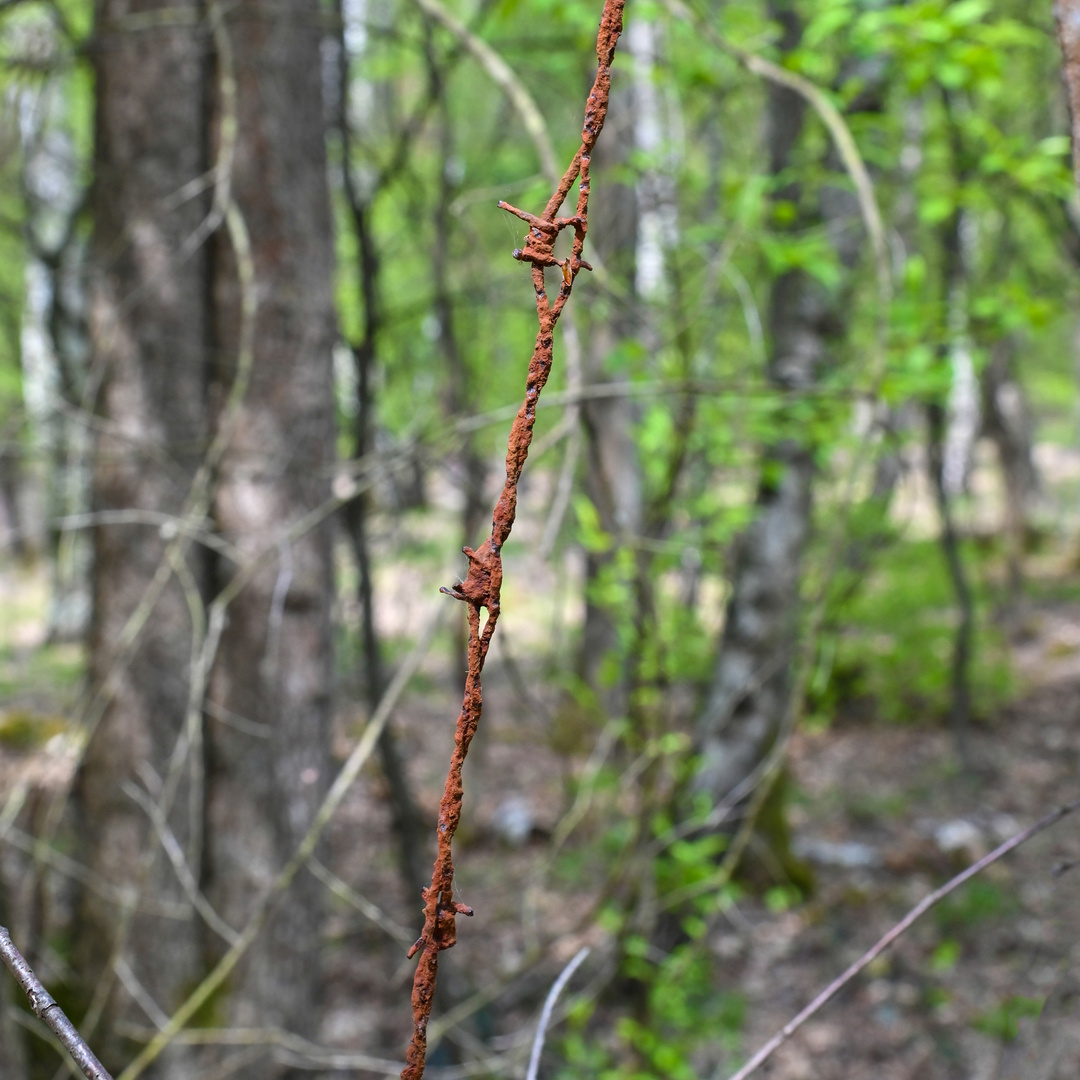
<point x="483" y="582"/>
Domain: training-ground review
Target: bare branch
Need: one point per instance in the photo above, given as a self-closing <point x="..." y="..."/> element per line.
<point x="123" y="896"/>
<point x="883" y="943"/>
<point x="179" y="863"/>
<point x="500" y="72"/>
<point x="370" y="911"/>
<point x="46" y="1010"/>
<point x="345" y="779"/>
<point x="169" y="525"/>
<point x="299" y="1052"/>
<point x="549" y="1006"/>
<point x="532" y="118"/>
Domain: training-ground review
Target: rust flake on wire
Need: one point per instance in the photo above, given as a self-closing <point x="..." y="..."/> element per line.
<point x="483" y="581"/>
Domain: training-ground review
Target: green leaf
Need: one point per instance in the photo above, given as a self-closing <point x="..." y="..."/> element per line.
<point x="945" y="956"/>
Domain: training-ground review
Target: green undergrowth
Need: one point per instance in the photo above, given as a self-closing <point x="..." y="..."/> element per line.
<point x="1003" y="1020"/>
<point x="978" y="902"/>
<point x="888" y="650"/>
<point x="49" y="671"/>
<point x="681" y="1016"/>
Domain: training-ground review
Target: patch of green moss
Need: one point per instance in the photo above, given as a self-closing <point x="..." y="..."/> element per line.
<point x="23" y="730"/>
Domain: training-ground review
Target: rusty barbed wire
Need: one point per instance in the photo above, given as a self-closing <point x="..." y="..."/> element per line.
<point x="483" y="581"/>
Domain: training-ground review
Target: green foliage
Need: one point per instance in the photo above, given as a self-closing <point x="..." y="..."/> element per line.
<point x="1003" y="1021"/>
<point x="945" y="955"/>
<point x="895" y="645"/>
<point x="688" y="863"/>
<point x="977" y="902"/>
<point x="686" y="1013"/>
<point x="780" y="898"/>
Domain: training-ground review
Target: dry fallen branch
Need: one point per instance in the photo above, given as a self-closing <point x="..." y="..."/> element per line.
<point x="46" y="1010"/>
<point x="483" y="583"/>
<point x="549" y="1007"/>
<point x="901" y="927"/>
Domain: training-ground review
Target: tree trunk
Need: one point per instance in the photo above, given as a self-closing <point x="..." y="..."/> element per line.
<point x="751" y="685"/>
<point x="959" y="679"/>
<point x="149" y="326"/>
<point x="612" y="467"/>
<point x="946" y="474"/>
<point x="275" y="662"/>
<point x="1008" y="422"/>
<point x="1067" y="13"/>
<point x="174" y="323"/>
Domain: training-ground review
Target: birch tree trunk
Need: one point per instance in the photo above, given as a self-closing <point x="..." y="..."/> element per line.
<point x="1067" y="13"/>
<point x="612" y="467"/>
<point x="751" y="684"/>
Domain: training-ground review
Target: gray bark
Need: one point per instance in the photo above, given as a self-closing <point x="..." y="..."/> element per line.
<point x="12" y="1048"/>
<point x="149" y="327"/>
<point x="657" y="126"/>
<point x="955" y="240"/>
<point x="275" y="661"/>
<point x="751" y="684"/>
<point x="612" y="468"/>
<point x="166" y="332"/>
<point x="960" y="702"/>
<point x="1008" y="422"/>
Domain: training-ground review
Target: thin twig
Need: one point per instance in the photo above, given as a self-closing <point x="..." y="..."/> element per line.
<point x="301" y="1052"/>
<point x="500" y="72"/>
<point x="46" y="1010"/>
<point x="168" y="524"/>
<point x="179" y="863"/>
<point x="883" y="943"/>
<point x="549" y="1007"/>
<point x="123" y="896"/>
<point x="345" y="778"/>
<point x="371" y="912"/>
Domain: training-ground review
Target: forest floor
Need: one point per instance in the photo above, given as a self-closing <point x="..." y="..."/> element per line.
<point x="881" y="812"/>
<point x="884" y="815"/>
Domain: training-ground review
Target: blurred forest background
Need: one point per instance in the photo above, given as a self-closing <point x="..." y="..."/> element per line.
<point x="791" y="616"/>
